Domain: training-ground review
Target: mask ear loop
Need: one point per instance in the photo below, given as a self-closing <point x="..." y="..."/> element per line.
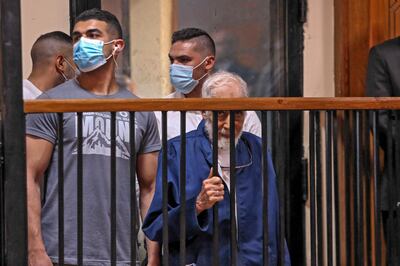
<point x="112" y="55"/>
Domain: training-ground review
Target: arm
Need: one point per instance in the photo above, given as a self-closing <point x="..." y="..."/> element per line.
<point x="146" y="173"/>
<point x="378" y="84"/>
<point x="38" y="154"/>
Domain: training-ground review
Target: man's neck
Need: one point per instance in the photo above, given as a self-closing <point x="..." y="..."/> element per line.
<point x="100" y="81"/>
<point x="41" y="81"/>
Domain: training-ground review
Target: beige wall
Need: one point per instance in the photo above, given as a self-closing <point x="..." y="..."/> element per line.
<point x="319" y="50"/>
<point x="151" y="28"/>
<point x="38" y="17"/>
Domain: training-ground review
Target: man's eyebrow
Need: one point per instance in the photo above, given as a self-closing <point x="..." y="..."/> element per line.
<point x="77" y="33"/>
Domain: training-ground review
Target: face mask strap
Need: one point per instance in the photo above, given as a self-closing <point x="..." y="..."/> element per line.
<point x="200" y="63"/>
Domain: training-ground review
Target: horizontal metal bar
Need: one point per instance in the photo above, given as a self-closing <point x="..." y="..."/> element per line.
<point x="274" y="104"/>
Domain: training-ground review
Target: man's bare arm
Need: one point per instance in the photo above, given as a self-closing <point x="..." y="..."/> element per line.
<point x="38" y="154"/>
<point x="146" y="173"/>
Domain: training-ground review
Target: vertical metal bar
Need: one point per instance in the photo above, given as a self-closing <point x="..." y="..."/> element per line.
<point x="328" y="186"/>
<point x="113" y="182"/>
<point x="348" y="181"/>
<point x="358" y="226"/>
<point x="281" y="190"/>
<point x="165" y="188"/>
<point x="80" y="192"/>
<point x="2" y="217"/>
<point x="395" y="187"/>
<point x="182" y="187"/>
<point x="318" y="169"/>
<point x="232" y="166"/>
<point x="215" y="253"/>
<point x="367" y="185"/>
<point x="133" y="197"/>
<point x="312" y="137"/>
<point x="13" y="135"/>
<point x="336" y="188"/>
<point x="264" y="125"/>
<point x="60" y="189"/>
<point x="377" y="187"/>
<point x="389" y="166"/>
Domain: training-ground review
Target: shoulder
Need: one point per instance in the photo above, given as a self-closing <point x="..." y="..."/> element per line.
<point x="250" y="137"/>
<point x="387" y="47"/>
<point x="68" y="89"/>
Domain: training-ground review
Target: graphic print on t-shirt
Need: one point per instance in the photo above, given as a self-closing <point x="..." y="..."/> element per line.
<point x="96" y="134"/>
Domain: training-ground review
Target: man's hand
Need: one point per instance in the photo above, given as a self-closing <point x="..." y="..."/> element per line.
<point x="39" y="258"/>
<point x="211" y="192"/>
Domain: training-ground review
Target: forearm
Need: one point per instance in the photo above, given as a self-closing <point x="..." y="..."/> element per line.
<point x="35" y="240"/>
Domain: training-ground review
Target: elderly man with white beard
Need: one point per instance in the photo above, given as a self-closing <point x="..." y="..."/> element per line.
<point x="203" y="190"/>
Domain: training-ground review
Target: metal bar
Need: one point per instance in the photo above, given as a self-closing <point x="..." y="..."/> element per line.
<point x="348" y="180"/>
<point x="13" y="136"/>
<point x="359" y="221"/>
<point x="318" y="168"/>
<point x="264" y="125"/>
<point x="215" y="252"/>
<point x="2" y="199"/>
<point x="312" y="137"/>
<point x="377" y="191"/>
<point x="133" y="197"/>
<point x="336" y="188"/>
<point x="390" y="231"/>
<point x="80" y="192"/>
<point x="328" y="186"/>
<point x="60" y="189"/>
<point x="113" y="194"/>
<point x="367" y="185"/>
<point x="232" y="193"/>
<point x="182" y="188"/>
<point x="165" y="188"/>
<point x="395" y="187"/>
<point x="281" y="189"/>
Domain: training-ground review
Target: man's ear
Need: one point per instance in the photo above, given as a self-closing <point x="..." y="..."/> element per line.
<point x="210" y="62"/>
<point x="119" y="45"/>
<point x="59" y="63"/>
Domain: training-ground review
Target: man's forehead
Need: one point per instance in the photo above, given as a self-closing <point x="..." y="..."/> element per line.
<point x="91" y="24"/>
<point x="180" y="48"/>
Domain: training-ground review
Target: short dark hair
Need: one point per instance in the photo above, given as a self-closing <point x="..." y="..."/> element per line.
<point x="190" y="33"/>
<point x="50" y="44"/>
<point x="101" y="15"/>
<point x="56" y="36"/>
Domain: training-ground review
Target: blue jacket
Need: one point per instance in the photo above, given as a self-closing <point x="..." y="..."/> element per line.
<point x="199" y="229"/>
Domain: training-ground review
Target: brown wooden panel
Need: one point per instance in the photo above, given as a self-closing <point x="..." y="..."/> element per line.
<point x="394" y="18"/>
<point x="276" y="103"/>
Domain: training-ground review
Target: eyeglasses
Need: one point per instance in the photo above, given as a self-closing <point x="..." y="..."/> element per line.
<point x="239" y="115"/>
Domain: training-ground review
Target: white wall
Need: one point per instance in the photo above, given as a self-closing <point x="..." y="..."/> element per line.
<point x="38" y="17"/>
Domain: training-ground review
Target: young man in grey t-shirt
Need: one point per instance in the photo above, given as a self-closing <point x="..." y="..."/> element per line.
<point x="93" y="29"/>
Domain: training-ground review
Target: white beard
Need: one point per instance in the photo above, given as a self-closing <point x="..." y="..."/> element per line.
<point x="223" y="142"/>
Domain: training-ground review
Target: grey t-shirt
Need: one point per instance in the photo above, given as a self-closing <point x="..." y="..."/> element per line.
<point x="96" y="175"/>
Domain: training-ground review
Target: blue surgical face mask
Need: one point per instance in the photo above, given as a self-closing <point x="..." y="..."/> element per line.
<point x="88" y="54"/>
<point x="182" y="77"/>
